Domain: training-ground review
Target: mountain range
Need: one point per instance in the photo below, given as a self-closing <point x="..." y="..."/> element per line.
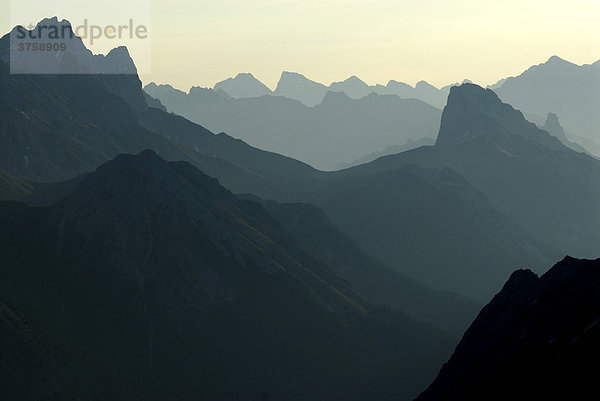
<point x="376" y="223"/>
<point x="338" y="130"/>
<point x="293" y="85"/>
<point x="144" y="257"/>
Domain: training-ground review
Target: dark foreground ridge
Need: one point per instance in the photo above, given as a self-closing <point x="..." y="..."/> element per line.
<point x="211" y="296"/>
<point x="538" y="339"/>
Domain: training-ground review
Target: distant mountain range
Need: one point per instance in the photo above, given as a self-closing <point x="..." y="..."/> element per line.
<point x="338" y="130"/>
<point x="558" y="86"/>
<point x="296" y="86"/>
<point x="538" y="339"/>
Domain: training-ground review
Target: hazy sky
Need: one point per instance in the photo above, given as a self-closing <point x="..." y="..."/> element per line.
<point x="200" y="42"/>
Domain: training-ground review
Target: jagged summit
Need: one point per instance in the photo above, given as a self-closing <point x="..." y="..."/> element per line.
<point x="296" y="86"/>
<point x="244" y="85"/>
<point x="75" y="58"/>
<point x="558" y="60"/>
<point x="553" y="127"/>
<point x="473" y="112"/>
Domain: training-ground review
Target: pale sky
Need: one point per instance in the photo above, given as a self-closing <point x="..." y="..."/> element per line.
<point x="200" y="42"/>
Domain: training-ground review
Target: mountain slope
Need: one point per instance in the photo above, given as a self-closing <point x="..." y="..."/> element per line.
<point x="430" y="225"/>
<point x="539" y="338"/>
<point x="12" y="188"/>
<point x="316" y="233"/>
<point x="211" y="296"/>
<point x="36" y="366"/>
<point x="296" y="86"/>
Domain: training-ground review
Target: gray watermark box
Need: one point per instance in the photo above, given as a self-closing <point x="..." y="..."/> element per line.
<point x="100" y="38"/>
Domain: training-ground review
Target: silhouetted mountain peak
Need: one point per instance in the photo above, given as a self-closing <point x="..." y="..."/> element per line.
<point x="288" y="77"/>
<point x="557" y="60"/>
<point x="553" y="127"/>
<point x="127" y="173"/>
<point x="520" y="280"/>
<point x="244" y="85"/>
<point x="473" y="112"/>
<point x="77" y="59"/>
<point x="425" y="85"/>
<point x="353" y="80"/>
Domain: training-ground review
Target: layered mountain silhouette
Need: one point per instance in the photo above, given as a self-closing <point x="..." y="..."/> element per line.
<point x="538" y="339"/>
<point x="315" y="232"/>
<point x="558" y="86"/>
<point x="60" y="126"/>
<point x="530" y="176"/>
<point x="338" y="130"/>
<point x="296" y="86"/>
<point x="417" y="220"/>
<point x="155" y="268"/>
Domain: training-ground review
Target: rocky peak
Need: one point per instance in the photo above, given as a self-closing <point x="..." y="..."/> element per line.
<point x="553" y="127"/>
<point x="244" y="85"/>
<point x="473" y="112"/>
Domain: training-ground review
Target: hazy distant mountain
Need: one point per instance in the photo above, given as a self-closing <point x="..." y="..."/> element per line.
<point x="558" y="86"/>
<point x="553" y="127"/>
<point x="590" y="145"/>
<point x="296" y="86"/>
<point x="538" y="339"/>
<point x="353" y="87"/>
<point x="381" y="284"/>
<point x="243" y="85"/>
<point x="338" y="130"/>
<point x="503" y="155"/>
<point x="210" y="295"/>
